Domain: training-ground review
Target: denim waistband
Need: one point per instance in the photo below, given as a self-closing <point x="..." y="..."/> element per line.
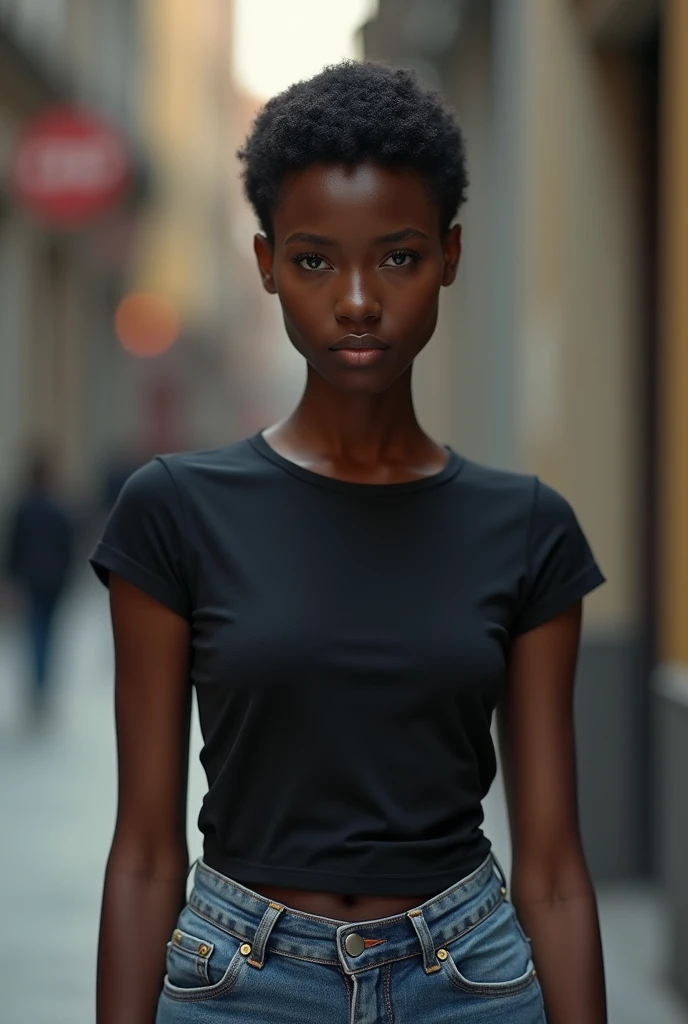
<point x="271" y="927"/>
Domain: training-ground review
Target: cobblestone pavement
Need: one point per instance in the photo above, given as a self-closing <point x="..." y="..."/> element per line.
<point x="57" y="797"/>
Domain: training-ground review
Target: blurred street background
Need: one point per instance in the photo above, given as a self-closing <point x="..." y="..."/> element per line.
<point x="132" y="322"/>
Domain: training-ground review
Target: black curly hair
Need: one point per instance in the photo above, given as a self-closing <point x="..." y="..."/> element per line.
<point x="351" y="112"/>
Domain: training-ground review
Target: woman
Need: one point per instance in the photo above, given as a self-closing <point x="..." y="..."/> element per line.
<point x="350" y="599"/>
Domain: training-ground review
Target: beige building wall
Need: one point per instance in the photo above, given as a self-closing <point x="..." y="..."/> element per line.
<point x="535" y="365"/>
<point x="196" y="240"/>
<point x="578" y="388"/>
<point x="673" y="520"/>
<point x="172" y="247"/>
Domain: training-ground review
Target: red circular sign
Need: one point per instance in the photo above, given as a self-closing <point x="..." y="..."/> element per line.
<point x="70" y="166"/>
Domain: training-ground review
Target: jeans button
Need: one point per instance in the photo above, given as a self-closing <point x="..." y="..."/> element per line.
<point x="354" y="944"/>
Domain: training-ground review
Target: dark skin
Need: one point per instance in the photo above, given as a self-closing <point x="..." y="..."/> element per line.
<point x="374" y="264"/>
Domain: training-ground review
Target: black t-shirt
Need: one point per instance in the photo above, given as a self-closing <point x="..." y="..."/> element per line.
<point x="349" y="643"/>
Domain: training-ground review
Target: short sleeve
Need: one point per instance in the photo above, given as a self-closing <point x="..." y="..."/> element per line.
<point x="561" y="568"/>
<point x="143" y="539"/>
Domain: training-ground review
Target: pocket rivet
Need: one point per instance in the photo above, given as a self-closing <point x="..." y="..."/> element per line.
<point x="245" y="948"/>
<point x="503" y="891"/>
<point x="177" y="936"/>
<point x="442" y="954"/>
<point x="203" y="950"/>
<point x="534" y="972"/>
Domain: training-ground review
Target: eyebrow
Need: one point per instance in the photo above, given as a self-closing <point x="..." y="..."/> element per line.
<point x="302" y="236"/>
<point x="395" y="236"/>
<point x="399" y="236"/>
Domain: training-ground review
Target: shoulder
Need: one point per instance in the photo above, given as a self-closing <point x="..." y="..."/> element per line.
<point x="188" y="466"/>
<point x="498" y="496"/>
<point x="149" y="483"/>
<point x="494" y="480"/>
<point x="550" y="508"/>
<point x="523" y="492"/>
<point x="172" y="472"/>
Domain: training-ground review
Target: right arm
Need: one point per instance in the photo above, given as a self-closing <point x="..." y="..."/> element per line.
<point x="145" y="878"/>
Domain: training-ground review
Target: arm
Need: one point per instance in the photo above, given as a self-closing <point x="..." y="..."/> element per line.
<point x="146" y="872"/>
<point x="551" y="887"/>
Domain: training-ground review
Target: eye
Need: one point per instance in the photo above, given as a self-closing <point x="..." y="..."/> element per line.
<point x="310" y="261"/>
<point x="402" y="258"/>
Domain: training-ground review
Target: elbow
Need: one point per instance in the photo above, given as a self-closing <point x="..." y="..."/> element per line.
<point x="147" y="855"/>
<point x="557" y="877"/>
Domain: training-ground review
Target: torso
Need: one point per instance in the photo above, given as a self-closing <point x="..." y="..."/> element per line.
<point x="337" y="905"/>
<point x="375" y="696"/>
<point x="341" y="907"/>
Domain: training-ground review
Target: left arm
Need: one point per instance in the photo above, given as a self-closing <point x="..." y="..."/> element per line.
<point x="550" y="884"/>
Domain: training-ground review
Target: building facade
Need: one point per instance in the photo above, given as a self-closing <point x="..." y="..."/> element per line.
<point x="55" y="285"/>
<point x="162" y="73"/>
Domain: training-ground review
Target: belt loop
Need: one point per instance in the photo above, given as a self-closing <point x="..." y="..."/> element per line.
<point x="267" y="923"/>
<point x="419" y="923"/>
<point x="500" y="873"/>
<point x="191" y="867"/>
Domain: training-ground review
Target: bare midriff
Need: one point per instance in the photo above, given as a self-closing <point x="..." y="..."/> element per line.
<point x="341" y="907"/>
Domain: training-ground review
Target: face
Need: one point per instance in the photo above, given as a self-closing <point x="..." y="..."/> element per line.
<point x="357" y="262"/>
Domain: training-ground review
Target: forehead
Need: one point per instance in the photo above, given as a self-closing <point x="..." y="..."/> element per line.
<point x="335" y="198"/>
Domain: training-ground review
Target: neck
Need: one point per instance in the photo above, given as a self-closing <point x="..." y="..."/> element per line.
<point x="355" y="429"/>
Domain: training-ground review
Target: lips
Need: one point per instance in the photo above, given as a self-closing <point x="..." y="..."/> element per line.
<point x="358" y="342"/>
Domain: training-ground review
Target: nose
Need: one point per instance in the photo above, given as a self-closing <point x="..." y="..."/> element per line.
<point x="357" y="302"/>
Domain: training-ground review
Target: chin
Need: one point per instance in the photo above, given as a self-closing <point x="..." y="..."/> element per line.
<point x="358" y="382"/>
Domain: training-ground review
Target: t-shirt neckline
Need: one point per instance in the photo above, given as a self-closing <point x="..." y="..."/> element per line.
<point x="449" y="470"/>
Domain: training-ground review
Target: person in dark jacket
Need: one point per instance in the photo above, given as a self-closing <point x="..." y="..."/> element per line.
<point x="38" y="562"/>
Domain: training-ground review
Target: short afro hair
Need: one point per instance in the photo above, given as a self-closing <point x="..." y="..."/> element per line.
<point x="349" y="113"/>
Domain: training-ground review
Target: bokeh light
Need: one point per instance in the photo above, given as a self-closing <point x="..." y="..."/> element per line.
<point x="146" y="324"/>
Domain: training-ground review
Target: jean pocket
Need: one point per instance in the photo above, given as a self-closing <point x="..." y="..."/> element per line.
<point x="493" y="958"/>
<point x="187" y="958"/>
<point x="202" y="960"/>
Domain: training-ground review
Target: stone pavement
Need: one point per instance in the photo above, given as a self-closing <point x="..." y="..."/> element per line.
<point x="57" y="799"/>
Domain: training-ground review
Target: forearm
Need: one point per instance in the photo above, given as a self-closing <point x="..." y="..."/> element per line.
<point x="140" y="908"/>
<point x="567" y="952"/>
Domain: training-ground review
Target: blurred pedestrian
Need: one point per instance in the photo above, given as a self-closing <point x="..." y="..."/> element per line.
<point x="38" y="560"/>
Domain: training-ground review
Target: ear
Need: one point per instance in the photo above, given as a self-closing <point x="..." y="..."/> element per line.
<point x="451" y="243"/>
<point x="264" y="257"/>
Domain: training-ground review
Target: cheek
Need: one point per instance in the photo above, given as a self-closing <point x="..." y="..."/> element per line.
<point x="415" y="301"/>
<point x="304" y="305"/>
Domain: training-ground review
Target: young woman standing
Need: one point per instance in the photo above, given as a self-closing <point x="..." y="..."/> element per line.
<point x="351" y="601"/>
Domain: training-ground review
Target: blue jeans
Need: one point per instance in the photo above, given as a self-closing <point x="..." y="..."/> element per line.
<point x="460" y="957"/>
